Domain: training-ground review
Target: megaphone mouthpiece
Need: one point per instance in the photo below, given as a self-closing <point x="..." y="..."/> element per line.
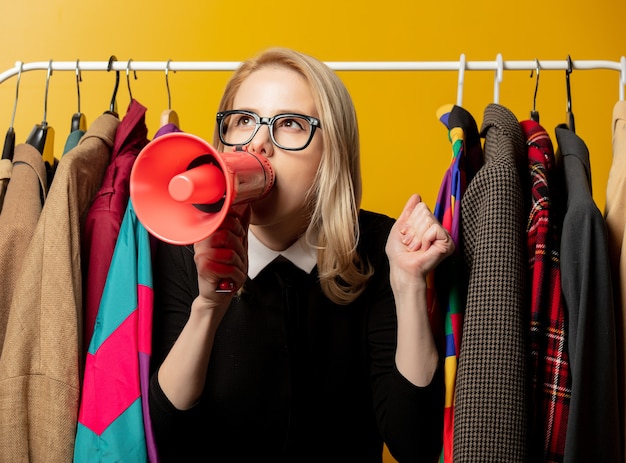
<point x="204" y="184"/>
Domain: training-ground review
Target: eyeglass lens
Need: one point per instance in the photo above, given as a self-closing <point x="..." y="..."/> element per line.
<point x="288" y="131"/>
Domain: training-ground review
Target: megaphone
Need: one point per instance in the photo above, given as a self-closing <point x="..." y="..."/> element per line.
<point x="182" y="189"/>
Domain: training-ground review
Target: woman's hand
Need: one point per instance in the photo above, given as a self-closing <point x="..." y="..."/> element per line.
<point x="223" y="256"/>
<point x="417" y="243"/>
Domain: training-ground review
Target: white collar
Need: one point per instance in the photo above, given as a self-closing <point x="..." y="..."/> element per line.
<point x="299" y="253"/>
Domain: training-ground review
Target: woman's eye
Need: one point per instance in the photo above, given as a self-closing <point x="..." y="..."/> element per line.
<point x="291" y="124"/>
<point x="243" y="121"/>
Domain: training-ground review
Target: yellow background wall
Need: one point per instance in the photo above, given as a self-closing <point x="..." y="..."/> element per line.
<point x="404" y="147"/>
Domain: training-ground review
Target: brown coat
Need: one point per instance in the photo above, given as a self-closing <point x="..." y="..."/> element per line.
<point x="615" y="214"/>
<point x="6" y="166"/>
<point x="22" y="205"/>
<point x="39" y="365"/>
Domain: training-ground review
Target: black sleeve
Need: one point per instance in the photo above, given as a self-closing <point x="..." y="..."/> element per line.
<point x="410" y="418"/>
<point x="175" y="288"/>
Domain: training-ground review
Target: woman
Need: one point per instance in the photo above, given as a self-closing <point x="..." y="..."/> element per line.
<point x="326" y="350"/>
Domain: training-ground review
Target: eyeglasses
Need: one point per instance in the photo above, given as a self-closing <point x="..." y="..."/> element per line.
<point x="292" y="132"/>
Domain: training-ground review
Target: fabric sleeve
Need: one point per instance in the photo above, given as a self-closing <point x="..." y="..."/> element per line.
<point x="410" y="418"/>
<point x="175" y="286"/>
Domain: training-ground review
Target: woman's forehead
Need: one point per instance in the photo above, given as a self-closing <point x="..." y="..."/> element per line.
<point x="275" y="90"/>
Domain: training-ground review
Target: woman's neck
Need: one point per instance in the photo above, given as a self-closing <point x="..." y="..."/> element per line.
<point x="276" y="237"/>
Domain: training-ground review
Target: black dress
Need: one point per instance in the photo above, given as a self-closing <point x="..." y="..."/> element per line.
<point x="294" y="377"/>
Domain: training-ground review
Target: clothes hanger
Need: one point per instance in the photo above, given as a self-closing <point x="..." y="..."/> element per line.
<point x="79" y="121"/>
<point x="622" y="78"/>
<point x="42" y="135"/>
<point x="113" y="106"/>
<point x="459" y="89"/>
<point x="130" y="92"/>
<point x="569" y="113"/>
<point x="534" y="114"/>
<point x="498" y="78"/>
<point x="9" y="140"/>
<point x="169" y="116"/>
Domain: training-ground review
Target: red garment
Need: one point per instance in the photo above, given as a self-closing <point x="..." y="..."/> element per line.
<point x="106" y="213"/>
<point x="550" y="368"/>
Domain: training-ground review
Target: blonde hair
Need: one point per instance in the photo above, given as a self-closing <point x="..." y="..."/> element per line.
<point x="335" y="196"/>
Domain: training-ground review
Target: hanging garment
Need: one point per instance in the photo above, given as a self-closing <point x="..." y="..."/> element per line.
<point x="107" y="211"/>
<point x="593" y="425"/>
<point x="490" y="413"/>
<point x="450" y="282"/>
<point x="111" y="424"/>
<point x="549" y="364"/>
<point x="72" y="140"/>
<point x="114" y="413"/>
<point x="39" y="365"/>
<point x="615" y="217"/>
<point x="23" y="202"/>
<point x="167" y="128"/>
<point x="6" y="166"/>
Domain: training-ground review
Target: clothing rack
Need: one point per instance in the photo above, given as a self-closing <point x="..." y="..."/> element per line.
<point x="498" y="65"/>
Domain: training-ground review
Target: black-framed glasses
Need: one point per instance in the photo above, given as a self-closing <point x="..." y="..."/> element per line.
<point x="290" y="131"/>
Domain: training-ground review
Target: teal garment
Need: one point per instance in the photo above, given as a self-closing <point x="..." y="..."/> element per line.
<point x="72" y="140"/>
<point x="113" y="417"/>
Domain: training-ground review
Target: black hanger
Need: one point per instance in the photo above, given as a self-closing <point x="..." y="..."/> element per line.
<point x="534" y="114"/>
<point x="569" y="114"/>
<point x="130" y="92"/>
<point x="79" y="121"/>
<point x="9" y="140"/>
<point x="113" y="106"/>
<point x="169" y="116"/>
<point x="42" y="135"/>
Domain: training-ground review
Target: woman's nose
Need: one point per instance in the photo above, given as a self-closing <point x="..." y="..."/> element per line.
<point x="261" y="143"/>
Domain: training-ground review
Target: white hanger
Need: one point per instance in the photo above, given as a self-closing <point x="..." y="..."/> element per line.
<point x="622" y="80"/>
<point x="498" y="78"/>
<point x="459" y="91"/>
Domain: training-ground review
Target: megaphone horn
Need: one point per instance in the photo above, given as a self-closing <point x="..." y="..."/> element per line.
<point x="182" y="189"/>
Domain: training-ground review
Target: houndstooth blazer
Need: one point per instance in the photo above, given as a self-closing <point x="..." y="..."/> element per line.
<point x="490" y="420"/>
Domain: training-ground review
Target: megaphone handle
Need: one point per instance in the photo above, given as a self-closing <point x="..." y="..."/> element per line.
<point x="225" y="286"/>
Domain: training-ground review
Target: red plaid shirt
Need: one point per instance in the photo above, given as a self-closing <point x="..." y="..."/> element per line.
<point x="550" y="369"/>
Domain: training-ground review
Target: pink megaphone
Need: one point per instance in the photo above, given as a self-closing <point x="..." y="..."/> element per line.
<point x="182" y="189"/>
